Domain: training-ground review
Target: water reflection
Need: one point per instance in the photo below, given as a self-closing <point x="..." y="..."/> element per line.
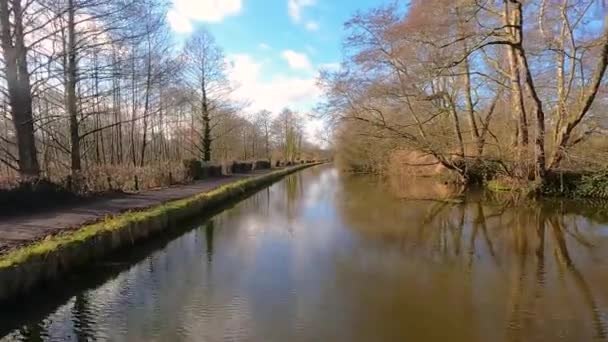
<point x="421" y="188"/>
<point x="537" y="245"/>
<point x="209" y="227"/>
<point x="322" y="256"/>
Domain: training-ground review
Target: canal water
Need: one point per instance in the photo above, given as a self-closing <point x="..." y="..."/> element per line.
<point x="321" y="256"/>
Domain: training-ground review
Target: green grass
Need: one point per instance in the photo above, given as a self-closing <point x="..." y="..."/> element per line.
<point x="56" y="242"/>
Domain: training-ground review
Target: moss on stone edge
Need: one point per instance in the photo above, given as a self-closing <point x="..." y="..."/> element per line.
<point x="123" y="221"/>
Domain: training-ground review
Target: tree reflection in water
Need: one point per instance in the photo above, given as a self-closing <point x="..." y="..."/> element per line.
<point x="530" y="243"/>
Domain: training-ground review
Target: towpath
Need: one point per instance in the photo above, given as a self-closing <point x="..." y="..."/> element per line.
<point x="22" y="230"/>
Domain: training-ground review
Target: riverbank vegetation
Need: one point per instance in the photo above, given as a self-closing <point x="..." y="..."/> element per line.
<point x="97" y="96"/>
<point x="505" y="91"/>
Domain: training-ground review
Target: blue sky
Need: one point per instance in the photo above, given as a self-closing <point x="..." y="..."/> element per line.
<point x="275" y="47"/>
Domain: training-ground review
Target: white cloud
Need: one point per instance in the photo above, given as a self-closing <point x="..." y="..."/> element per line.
<point x="272" y="94"/>
<point x="178" y="22"/>
<point x="244" y="69"/>
<point x="315" y="131"/>
<point x="185" y="11"/>
<point x="312" y="25"/>
<point x="264" y="46"/>
<point x="297" y="60"/>
<point x="294" y="8"/>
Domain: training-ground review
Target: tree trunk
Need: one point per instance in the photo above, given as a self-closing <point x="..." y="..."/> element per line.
<point x="267" y="142"/>
<point x="133" y="111"/>
<point x="71" y="91"/>
<point x="144" y="142"/>
<point x="457" y="130"/>
<point x="206" y="124"/>
<point x="517" y="46"/>
<point x="469" y="107"/>
<point x="19" y="88"/>
<point x="253" y="139"/>
<point x="512" y="22"/>
<point x="539" y="142"/>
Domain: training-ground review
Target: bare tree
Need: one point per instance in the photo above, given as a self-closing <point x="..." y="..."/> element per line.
<point x="412" y="76"/>
<point x="206" y="71"/>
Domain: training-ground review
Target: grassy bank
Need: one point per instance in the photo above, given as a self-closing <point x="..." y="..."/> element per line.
<point x="577" y="185"/>
<point x="24" y="268"/>
<point x="568" y="184"/>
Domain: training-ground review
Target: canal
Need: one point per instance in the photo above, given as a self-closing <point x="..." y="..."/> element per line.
<point x="321" y="256"/>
